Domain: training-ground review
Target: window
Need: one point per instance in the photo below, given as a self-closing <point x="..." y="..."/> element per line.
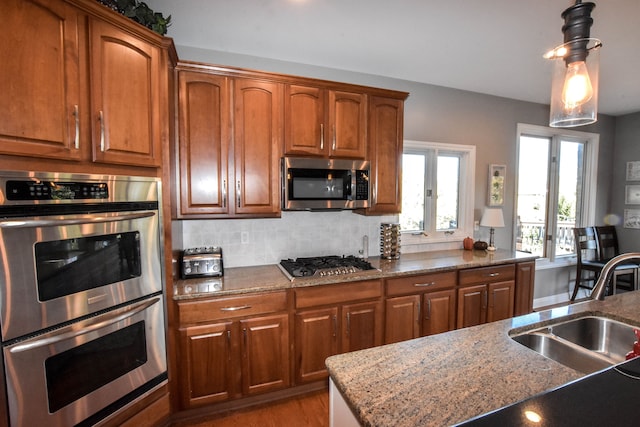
<point x="555" y="190"/>
<point x="437" y="192"/>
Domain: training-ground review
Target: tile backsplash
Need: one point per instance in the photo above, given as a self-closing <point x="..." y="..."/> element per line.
<point x="247" y="242"/>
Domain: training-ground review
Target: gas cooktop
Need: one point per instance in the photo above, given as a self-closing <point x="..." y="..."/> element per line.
<point x="322" y="266"/>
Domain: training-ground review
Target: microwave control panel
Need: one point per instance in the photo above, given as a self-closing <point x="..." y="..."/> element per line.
<point x="362" y="185"/>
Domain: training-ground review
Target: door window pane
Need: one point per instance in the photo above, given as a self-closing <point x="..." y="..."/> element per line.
<point x="533" y="171"/>
<point x="569" y="185"/>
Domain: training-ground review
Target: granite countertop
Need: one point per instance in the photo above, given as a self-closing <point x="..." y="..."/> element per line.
<point x="448" y="378"/>
<point x="269" y="277"/>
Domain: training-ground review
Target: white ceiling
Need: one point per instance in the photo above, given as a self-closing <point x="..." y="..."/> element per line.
<point x="491" y="46"/>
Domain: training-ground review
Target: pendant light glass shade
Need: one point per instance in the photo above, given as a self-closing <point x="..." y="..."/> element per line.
<point x="574" y="85"/>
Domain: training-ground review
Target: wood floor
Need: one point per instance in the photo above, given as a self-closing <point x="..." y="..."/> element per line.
<point x="309" y="410"/>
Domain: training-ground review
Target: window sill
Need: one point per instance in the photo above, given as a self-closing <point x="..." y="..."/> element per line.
<point x="545" y="264"/>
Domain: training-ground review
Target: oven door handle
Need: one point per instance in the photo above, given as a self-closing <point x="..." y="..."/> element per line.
<point x="74" y="219"/>
<point x="83" y="327"/>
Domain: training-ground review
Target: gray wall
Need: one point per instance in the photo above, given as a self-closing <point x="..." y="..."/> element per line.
<point x="627" y="149"/>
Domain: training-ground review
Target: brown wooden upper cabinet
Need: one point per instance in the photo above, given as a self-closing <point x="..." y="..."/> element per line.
<point x="325" y="122"/>
<point x="385" y="154"/>
<point x="44" y="84"/>
<point x="228" y="163"/>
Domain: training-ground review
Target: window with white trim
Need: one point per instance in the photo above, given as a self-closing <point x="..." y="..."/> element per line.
<point x="437" y="192"/>
<point x="556" y="186"/>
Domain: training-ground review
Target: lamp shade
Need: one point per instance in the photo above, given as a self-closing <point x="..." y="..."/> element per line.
<point x="492" y="217"/>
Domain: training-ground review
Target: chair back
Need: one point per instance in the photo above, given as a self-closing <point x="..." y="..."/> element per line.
<point x="607" y="242"/>
<point x="586" y="244"/>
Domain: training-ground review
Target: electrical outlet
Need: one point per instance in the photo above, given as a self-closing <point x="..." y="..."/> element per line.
<point x="244" y="237"/>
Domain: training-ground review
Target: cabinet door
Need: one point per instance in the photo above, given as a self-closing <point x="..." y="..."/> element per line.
<point x="265" y="353"/>
<point x="125" y="97"/>
<point x="402" y="319"/>
<point x="39" y="79"/>
<point x="361" y="326"/>
<point x="316" y="339"/>
<point x="439" y="310"/>
<point x="203" y="126"/>
<point x="385" y="154"/>
<point x="304" y="120"/>
<point x="206" y="364"/>
<point x="257" y="125"/>
<point x="472" y="305"/>
<point x="348" y="124"/>
<point x="525" y="279"/>
<point x="500" y="300"/>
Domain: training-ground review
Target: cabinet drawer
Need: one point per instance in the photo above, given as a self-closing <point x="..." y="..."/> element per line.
<point x="336" y="294"/>
<point x="494" y="273"/>
<point x="230" y="307"/>
<point x="423" y="282"/>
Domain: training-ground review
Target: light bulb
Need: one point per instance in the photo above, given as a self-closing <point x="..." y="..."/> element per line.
<point x="577" y="87"/>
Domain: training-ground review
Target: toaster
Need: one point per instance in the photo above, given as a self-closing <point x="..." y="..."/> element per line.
<point x="202" y="262"/>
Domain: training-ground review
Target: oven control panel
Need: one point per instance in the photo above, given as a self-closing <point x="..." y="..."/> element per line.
<point x="53" y="190"/>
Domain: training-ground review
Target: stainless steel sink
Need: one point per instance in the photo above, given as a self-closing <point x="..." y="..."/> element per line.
<point x="586" y="344"/>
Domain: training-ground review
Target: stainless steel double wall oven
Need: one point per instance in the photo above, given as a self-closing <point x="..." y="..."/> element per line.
<point x="81" y="305"/>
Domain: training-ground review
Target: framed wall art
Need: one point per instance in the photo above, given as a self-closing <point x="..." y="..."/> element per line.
<point x="632" y="194"/>
<point x="633" y="171"/>
<point x="631" y="218"/>
<point x="497" y="178"/>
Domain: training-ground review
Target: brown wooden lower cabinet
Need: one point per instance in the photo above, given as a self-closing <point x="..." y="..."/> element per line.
<point x="335" y="319"/>
<point x="246" y="353"/>
<point x="233" y="359"/>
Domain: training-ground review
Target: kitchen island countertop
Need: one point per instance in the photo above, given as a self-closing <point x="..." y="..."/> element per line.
<point x="448" y="378"/>
<point x="262" y="278"/>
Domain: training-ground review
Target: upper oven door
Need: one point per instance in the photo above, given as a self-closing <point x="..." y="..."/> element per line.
<point x="58" y="268"/>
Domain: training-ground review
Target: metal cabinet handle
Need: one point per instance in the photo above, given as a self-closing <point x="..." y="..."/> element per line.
<point x="229" y="344"/>
<point x="485" y="299"/>
<point x="493" y="274"/>
<point x="76" y="115"/>
<point x="333" y="147"/>
<point x="238" y="192"/>
<point x="224" y="193"/>
<point x="101" y="118"/>
<point x="422" y="285"/>
<point x="236" y="308"/>
<point x="335" y="325"/>
<point x="348" y="324"/>
<point x="321" y="136"/>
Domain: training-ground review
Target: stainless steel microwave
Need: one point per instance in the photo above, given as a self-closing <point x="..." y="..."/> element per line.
<point x="323" y="184"/>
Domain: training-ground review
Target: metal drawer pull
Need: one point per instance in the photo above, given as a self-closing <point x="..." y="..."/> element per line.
<point x="424" y="284"/>
<point x="321" y="136"/>
<point x="236" y="308"/>
<point x="493" y="274"/>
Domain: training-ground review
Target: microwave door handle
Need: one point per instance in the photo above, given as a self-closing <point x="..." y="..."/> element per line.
<point x="84" y="327"/>
<point x="75" y="219"/>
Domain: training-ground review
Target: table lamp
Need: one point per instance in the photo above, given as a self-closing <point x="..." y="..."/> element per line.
<point x="492" y="218"/>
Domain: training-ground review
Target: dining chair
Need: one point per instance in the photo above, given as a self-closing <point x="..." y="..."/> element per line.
<point x="608" y="248"/>
<point x="588" y="264"/>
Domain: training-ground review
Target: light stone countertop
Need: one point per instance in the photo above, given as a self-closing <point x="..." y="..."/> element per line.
<point x="242" y="280"/>
<point x="448" y="378"/>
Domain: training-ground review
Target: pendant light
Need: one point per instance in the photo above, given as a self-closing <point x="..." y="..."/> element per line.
<point x="574" y="85"/>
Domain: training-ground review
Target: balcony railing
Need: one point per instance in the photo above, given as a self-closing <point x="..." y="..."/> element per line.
<point x="530" y="237"/>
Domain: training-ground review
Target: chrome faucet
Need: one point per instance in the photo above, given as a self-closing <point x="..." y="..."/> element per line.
<point x="601" y="284"/>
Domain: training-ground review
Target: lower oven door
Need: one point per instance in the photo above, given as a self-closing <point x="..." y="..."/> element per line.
<point x="87" y="369"/>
